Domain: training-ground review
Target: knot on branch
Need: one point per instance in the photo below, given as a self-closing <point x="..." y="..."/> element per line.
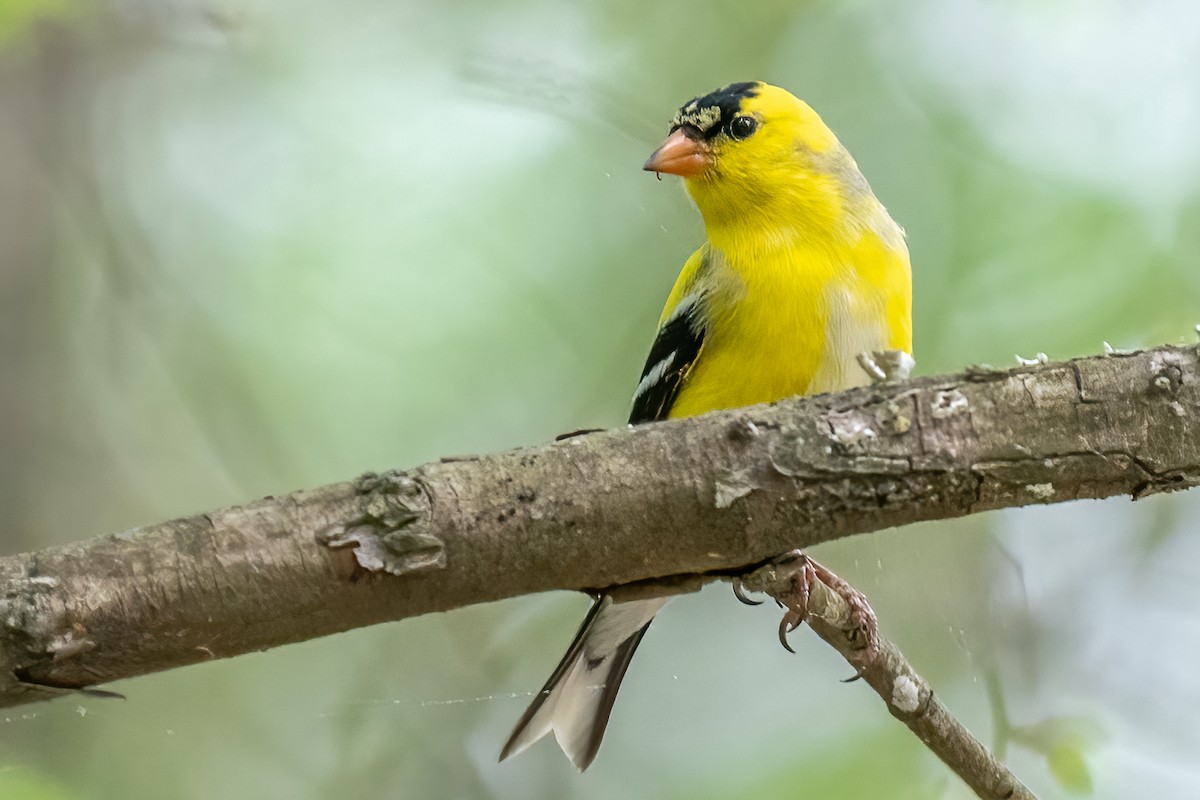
<point x="23" y="606"/>
<point x="1168" y="374"/>
<point x="385" y="533"/>
<point x="27" y="611"/>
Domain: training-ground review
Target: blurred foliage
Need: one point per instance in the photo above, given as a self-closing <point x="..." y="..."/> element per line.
<point x="24" y="783"/>
<point x="18" y="17"/>
<point x="841" y="772"/>
<point x="250" y="247"/>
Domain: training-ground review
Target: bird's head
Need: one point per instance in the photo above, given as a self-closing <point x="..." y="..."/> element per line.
<point x="753" y="151"/>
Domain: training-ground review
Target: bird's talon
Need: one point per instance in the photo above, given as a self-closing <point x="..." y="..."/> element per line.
<point x="861" y="630"/>
<point x="882" y="366"/>
<point x="739" y="591"/>
<point x="786" y="627"/>
<point x="873" y="370"/>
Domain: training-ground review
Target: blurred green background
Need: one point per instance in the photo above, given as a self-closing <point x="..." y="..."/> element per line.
<point x="248" y="247"/>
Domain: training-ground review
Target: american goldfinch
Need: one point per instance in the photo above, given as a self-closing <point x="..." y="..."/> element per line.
<point x="802" y="272"/>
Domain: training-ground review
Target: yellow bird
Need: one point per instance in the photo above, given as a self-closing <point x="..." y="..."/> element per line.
<point x="802" y="274"/>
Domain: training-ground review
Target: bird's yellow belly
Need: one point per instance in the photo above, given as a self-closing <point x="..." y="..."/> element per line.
<point x="797" y="331"/>
<point x="730" y="374"/>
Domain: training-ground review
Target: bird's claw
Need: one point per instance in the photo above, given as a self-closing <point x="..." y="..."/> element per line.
<point x="799" y="594"/>
<point x="882" y="366"/>
<point x="786" y="627"/>
<point x="739" y="591"/>
<point x="862" y="630"/>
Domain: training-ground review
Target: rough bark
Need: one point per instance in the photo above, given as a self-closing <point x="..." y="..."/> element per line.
<point x="680" y="501"/>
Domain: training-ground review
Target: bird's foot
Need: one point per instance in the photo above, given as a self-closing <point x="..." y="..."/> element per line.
<point x="886" y="365"/>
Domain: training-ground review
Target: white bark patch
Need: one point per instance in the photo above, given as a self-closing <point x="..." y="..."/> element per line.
<point x="905" y="695"/>
<point x="852" y="429"/>
<point x="1042" y="491"/>
<point x="68" y="645"/>
<point x="731" y="487"/>
<point x="949" y="403"/>
<point x="1039" y="358"/>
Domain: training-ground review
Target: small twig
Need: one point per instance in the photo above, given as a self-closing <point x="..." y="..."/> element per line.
<point x="839" y="614"/>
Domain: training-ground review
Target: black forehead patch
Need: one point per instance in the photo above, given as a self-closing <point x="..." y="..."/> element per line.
<point x="708" y="113"/>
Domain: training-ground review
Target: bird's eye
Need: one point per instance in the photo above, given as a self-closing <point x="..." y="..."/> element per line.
<point x="742" y="127"/>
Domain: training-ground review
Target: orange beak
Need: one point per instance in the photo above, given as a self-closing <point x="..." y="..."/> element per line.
<point x="680" y="155"/>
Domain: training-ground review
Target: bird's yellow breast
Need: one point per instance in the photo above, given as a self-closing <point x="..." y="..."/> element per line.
<point x="789" y="318"/>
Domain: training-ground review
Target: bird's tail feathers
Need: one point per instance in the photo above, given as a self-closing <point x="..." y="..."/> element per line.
<point x="577" y="700"/>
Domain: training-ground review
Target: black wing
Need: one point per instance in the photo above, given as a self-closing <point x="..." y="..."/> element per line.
<point x="672" y="355"/>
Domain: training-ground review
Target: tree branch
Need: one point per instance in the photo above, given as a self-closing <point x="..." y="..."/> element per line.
<point x="679" y="501"/>
<point x="840" y="614"/>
